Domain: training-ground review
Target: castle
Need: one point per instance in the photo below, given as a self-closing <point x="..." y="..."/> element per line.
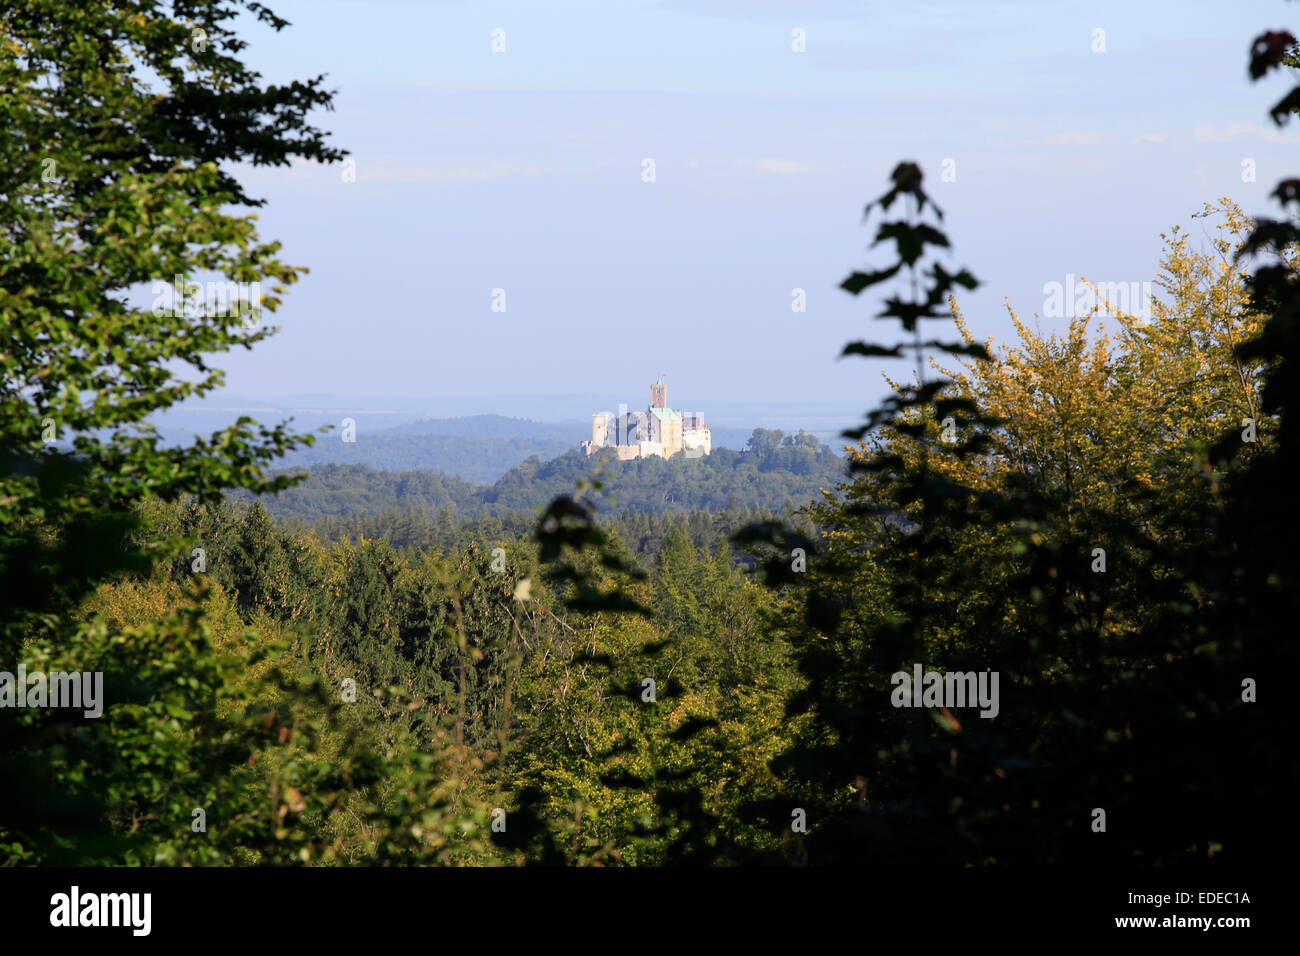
<point x="659" y="430"/>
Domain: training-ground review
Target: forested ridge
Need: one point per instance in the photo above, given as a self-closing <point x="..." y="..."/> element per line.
<point x="776" y="472"/>
<point x="478" y="449"/>
<point x="676" y="662"/>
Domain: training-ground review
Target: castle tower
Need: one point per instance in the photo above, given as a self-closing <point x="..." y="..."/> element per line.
<point x="659" y="394"/>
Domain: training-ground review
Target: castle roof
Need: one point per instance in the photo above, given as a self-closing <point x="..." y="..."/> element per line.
<point x="666" y="414"/>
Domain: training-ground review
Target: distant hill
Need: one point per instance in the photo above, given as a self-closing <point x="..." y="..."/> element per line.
<point x="571" y="433"/>
<point x="563" y="417"/>
<point x="496" y="426"/>
<point x="479" y="448"/>
<point x="476" y="448"/>
<point x="770" y="479"/>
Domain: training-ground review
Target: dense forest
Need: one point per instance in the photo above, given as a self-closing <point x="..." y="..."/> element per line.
<point x="444" y="529"/>
<point x="622" y="684"/>
<point x="776" y="473"/>
<point x="686" y="662"/>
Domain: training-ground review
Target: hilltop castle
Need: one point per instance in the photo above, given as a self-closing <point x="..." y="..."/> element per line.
<point x="659" y="430"/>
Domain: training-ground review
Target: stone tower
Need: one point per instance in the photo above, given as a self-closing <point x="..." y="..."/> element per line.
<point x="600" y="429"/>
<point x="659" y="394"/>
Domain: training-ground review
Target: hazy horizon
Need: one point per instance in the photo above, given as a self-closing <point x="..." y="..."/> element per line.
<point x="730" y="421"/>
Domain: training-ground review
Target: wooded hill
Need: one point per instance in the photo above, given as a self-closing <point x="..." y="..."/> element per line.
<point x="478" y="448"/>
<point x="776" y="472"/>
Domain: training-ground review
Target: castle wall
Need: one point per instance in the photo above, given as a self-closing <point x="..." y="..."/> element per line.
<point x="702" y="438"/>
<point x="671" y="436"/>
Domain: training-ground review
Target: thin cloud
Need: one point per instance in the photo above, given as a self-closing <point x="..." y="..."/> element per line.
<point x="1209" y="133"/>
<point x="779" y="166"/>
<point x="1079" y="137"/>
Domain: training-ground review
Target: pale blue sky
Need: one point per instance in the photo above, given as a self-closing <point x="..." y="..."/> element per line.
<point x="522" y="170"/>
